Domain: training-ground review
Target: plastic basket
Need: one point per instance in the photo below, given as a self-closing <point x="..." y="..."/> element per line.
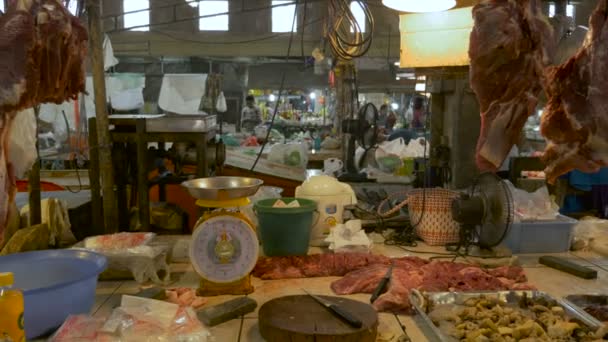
<point x="437" y="227"/>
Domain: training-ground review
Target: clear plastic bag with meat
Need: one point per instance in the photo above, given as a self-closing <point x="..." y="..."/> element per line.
<point x="148" y="320"/>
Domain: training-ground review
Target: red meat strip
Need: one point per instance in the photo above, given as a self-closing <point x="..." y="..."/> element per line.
<point x="316" y="265"/>
<point x="575" y="119"/>
<point x="509" y="47"/>
<point x="42" y="53"/>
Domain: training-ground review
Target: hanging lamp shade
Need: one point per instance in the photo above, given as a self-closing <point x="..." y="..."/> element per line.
<point x="419" y="6"/>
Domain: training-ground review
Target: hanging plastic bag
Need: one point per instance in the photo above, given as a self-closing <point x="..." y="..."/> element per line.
<point x="220" y="106"/>
<point x="22" y="142"/>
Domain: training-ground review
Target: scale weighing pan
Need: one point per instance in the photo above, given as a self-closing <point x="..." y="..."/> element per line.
<point x="222" y="188"/>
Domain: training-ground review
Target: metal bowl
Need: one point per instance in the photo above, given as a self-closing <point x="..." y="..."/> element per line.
<point x="222" y="188"/>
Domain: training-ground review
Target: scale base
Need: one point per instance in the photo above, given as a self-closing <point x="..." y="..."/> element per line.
<point x="239" y="287"/>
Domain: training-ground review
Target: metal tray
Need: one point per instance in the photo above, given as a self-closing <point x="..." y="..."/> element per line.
<point x="222" y="188"/>
<point x="503" y="296"/>
<point x="579" y="302"/>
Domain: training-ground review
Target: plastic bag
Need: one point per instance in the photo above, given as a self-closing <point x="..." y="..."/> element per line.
<point x="220" y="105"/>
<point x="537" y="205"/>
<point x="131" y="254"/>
<point x="81" y="328"/>
<point x="22" y="142"/>
<point x="55" y="215"/>
<point x="289" y="154"/>
<point x="117" y="241"/>
<point x="148" y="320"/>
<point x="590" y="233"/>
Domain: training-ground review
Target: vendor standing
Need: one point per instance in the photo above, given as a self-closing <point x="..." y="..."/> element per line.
<point x="418" y="118"/>
<point x="251" y="116"/>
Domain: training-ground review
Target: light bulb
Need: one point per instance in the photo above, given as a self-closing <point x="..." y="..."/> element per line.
<point x="271" y="98"/>
<point x="313" y="95"/>
<point x="419" y="6"/>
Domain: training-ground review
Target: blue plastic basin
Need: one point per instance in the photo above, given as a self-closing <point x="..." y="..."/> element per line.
<point x="55" y="284"/>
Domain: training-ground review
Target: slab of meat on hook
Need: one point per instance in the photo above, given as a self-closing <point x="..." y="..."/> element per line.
<point x="510" y="45"/>
<point x="575" y="120"/>
<point x="42" y="59"/>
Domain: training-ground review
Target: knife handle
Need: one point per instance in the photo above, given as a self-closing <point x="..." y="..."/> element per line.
<point x="379" y="289"/>
<point x="346" y="316"/>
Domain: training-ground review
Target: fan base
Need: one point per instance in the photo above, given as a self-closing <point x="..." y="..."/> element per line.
<point x="478" y="252"/>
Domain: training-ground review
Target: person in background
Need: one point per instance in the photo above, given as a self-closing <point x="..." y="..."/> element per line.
<point x="418" y="115"/>
<point x="386" y="119"/>
<point x="251" y="115"/>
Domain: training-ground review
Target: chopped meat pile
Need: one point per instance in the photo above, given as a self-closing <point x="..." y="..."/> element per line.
<point x="509" y="47"/>
<point x="575" y="120"/>
<point x="363" y="272"/>
<point x="42" y="53"/>
<point x="316" y="265"/>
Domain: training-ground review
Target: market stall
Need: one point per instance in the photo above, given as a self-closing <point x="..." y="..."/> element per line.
<point x="238" y="192"/>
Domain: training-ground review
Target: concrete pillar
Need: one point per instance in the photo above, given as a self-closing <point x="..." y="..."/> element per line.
<point x="455" y="115"/>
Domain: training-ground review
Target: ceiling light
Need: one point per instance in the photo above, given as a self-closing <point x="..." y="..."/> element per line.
<point x="395" y="106"/>
<point x="271" y="97"/>
<point x="397" y="78"/>
<point x="313" y="95"/>
<point x="419" y="6"/>
<point x="420" y="87"/>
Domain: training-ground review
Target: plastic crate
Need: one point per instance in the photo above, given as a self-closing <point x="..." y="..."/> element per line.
<point x="541" y="236"/>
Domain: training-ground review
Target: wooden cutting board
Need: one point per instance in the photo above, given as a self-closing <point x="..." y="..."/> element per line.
<point x="301" y="318"/>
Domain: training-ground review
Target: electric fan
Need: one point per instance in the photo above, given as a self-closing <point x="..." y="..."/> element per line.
<point x="361" y="131"/>
<point x="485" y="215"/>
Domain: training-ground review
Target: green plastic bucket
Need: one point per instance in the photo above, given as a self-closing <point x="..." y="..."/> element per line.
<point x="285" y="231"/>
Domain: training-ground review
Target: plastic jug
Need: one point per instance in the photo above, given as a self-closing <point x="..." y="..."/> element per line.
<point x="11" y="310"/>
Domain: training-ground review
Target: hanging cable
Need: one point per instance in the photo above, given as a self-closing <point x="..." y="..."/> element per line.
<point x="348" y="38"/>
<point x="276" y="105"/>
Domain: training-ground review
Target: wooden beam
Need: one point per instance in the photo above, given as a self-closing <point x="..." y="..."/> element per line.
<point x="106" y="171"/>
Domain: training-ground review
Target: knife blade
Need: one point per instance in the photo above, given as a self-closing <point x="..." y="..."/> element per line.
<point x="337" y="311"/>
<point x="382" y="284"/>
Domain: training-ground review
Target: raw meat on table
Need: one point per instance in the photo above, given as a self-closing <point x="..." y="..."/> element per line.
<point x="363" y="272"/>
<point x="575" y="119"/>
<point x="510" y="45"/>
<point x="435" y="276"/>
<point x="316" y="265"/>
<point x="42" y="53"/>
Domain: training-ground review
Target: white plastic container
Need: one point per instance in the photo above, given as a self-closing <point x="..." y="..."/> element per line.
<point x="331" y="196"/>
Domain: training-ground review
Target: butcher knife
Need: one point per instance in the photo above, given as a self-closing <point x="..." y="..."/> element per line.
<point x="337" y="311"/>
<point x="381" y="288"/>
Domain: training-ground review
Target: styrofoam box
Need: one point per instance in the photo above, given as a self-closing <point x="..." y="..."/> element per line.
<point x="552" y="236"/>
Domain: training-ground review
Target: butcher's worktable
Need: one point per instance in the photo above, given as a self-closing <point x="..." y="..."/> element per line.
<point x="556" y="283"/>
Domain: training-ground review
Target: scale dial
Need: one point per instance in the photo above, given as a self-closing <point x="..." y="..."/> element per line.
<point x="224" y="248"/>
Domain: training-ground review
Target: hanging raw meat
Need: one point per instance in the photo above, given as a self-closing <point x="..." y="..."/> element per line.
<point x="575" y="120"/>
<point x="509" y="47"/>
<point x="42" y="53"/>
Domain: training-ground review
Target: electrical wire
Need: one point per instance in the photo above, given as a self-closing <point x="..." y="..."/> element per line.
<point x="74" y="162"/>
<point x="347" y="45"/>
<point x="281" y="88"/>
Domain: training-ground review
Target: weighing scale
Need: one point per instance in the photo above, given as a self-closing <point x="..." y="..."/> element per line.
<point x="224" y="247"/>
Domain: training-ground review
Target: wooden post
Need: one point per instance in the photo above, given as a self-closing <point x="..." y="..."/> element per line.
<point x="94" y="179"/>
<point x="34" y="183"/>
<point x="101" y="113"/>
